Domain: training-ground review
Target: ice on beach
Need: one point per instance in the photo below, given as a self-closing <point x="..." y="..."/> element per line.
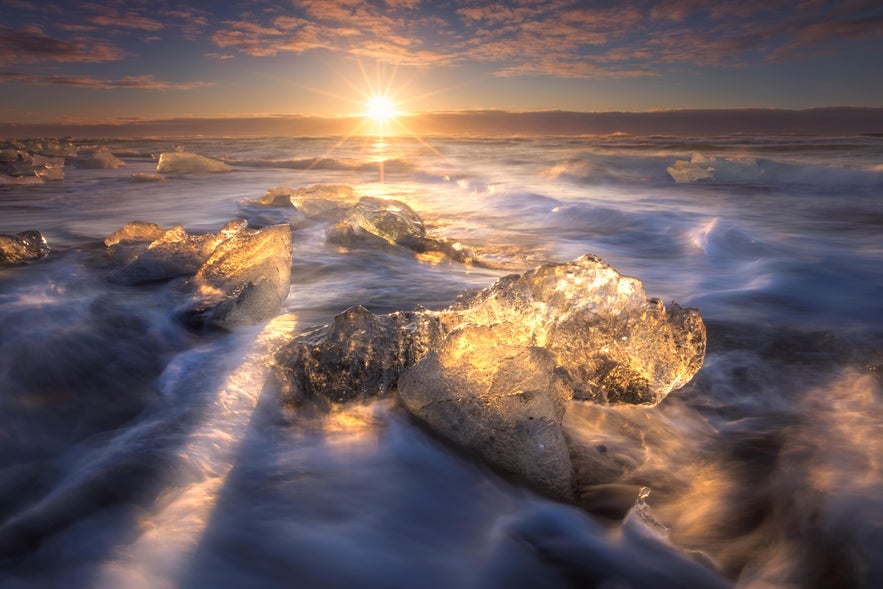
<point x="183" y="162"/>
<point x="145" y="177"/>
<point x="98" y="159"/>
<point x="8" y="155"/>
<point x="685" y="172"/>
<point x="28" y="165"/>
<point x="702" y="168"/>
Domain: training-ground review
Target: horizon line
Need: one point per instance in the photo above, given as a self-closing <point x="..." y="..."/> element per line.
<point x="823" y="120"/>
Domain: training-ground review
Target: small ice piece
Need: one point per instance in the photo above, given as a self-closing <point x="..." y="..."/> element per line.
<point x="145" y="177"/>
<point x="323" y="201"/>
<point x="702" y="168"/>
<point x="8" y="155"/>
<point x="389" y="220"/>
<point x="98" y="159"/>
<point x="22" y="247"/>
<point x="183" y="162"/>
<point x="133" y="232"/>
<point x="685" y="172"/>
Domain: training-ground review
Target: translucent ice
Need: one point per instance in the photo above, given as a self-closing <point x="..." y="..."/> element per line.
<point x="22" y="247"/>
<point x="43" y="167"/>
<point x="183" y="162"/>
<point x="100" y="158"/>
<point x="702" y="168"/>
<point x="495" y="372"/>
<point x="174" y="253"/>
<point x="320" y="201"/>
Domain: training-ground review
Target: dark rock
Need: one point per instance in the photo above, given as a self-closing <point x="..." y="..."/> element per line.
<point x="22" y="247"/>
<point x="245" y="280"/>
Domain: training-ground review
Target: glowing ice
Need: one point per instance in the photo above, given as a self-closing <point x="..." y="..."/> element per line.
<point x="136" y="231"/>
<point x="328" y="201"/>
<point x="245" y="280"/>
<point x="506" y="359"/>
<point x="239" y="276"/>
<point x="175" y="253"/>
<point x="183" y="162"/>
<point x="22" y="247"/>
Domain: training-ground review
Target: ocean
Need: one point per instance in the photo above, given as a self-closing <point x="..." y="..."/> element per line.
<point x="137" y="453"/>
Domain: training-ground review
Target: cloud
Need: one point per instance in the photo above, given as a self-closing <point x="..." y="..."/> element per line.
<point x="30" y="44"/>
<point x="145" y="82"/>
<point x="192" y="22"/>
<point x="552" y="38"/>
<point x="126" y="21"/>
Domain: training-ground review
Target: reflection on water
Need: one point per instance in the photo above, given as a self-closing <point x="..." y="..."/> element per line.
<point x="135" y="453"/>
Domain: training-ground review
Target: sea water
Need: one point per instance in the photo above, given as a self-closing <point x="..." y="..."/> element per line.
<point x="135" y="453"/>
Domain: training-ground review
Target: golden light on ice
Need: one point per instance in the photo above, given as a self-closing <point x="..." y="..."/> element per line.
<point x="380" y="109"/>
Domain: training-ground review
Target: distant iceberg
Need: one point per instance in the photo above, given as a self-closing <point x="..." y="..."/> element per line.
<point x="183" y="162"/>
<point x="702" y="168"/>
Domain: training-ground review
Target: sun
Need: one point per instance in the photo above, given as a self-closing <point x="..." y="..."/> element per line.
<point x="380" y="109"/>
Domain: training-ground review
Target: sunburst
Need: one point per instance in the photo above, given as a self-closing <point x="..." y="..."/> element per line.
<point x="380" y="109"/>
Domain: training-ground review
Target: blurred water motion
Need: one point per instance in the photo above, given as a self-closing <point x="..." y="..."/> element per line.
<point x="136" y="453"/>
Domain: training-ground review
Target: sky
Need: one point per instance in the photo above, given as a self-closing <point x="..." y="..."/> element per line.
<point x="130" y="60"/>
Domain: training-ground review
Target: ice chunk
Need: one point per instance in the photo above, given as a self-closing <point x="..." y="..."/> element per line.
<point x="328" y="201"/>
<point x="503" y="402"/>
<point x="136" y="231"/>
<point x="174" y="254"/>
<point x="100" y="158"/>
<point x="702" y="168"/>
<point x="40" y="166"/>
<point x="685" y="172"/>
<point x="22" y="247"/>
<point x="8" y="155"/>
<point x="245" y="280"/>
<point x="280" y="196"/>
<point x="389" y="220"/>
<point x="183" y="162"/>
<point x="616" y="345"/>
<point x="495" y="372"/>
<point x="144" y="177"/>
